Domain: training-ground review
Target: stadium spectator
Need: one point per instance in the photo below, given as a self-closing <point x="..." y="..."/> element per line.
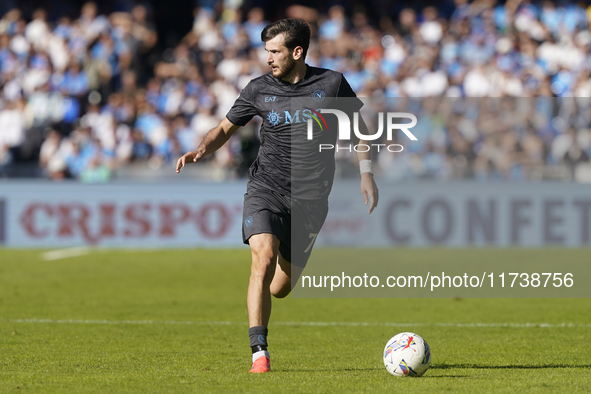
<point x="254" y="25"/>
<point x="12" y="131"/>
<point x="51" y="156"/>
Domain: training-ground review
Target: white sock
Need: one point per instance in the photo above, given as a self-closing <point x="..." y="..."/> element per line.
<point x="260" y="353"/>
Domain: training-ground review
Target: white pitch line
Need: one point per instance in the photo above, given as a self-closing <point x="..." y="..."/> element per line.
<point x="65" y="253"/>
<point x="315" y="324"/>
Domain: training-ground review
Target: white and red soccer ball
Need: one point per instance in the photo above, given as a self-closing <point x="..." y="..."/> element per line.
<point x="407" y="354"/>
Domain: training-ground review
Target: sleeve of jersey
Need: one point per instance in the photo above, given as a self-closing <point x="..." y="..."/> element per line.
<point x="243" y="109"/>
<point x="345" y="90"/>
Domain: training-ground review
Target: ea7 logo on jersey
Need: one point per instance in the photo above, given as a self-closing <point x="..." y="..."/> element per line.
<point x="270" y="99"/>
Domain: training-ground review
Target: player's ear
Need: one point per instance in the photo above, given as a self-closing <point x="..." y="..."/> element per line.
<point x="298" y="52"/>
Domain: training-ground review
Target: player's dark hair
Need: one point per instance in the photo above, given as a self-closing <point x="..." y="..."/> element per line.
<point x="296" y="33"/>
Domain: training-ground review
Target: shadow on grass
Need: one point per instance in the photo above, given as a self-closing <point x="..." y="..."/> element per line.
<point x="289" y="370"/>
<point x="476" y="366"/>
<point x="327" y="369"/>
<point x="439" y="366"/>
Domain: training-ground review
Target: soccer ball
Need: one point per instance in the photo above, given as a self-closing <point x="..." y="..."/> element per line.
<point x="407" y="354"/>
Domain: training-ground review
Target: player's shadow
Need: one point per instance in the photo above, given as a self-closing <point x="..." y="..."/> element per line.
<point x="514" y="366"/>
<point x="328" y="369"/>
<point x="440" y="366"/>
<point x="288" y="370"/>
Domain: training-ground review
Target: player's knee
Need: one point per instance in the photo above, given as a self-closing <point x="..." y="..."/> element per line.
<point x="264" y="257"/>
<point x="262" y="252"/>
<point x="262" y="268"/>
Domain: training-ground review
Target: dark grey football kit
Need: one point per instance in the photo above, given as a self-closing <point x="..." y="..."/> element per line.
<point x="289" y="183"/>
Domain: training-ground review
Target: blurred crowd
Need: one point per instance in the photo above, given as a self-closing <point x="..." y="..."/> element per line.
<point x="82" y="98"/>
<point x="500" y="138"/>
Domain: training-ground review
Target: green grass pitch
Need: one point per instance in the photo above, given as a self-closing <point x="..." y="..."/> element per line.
<point x="174" y="321"/>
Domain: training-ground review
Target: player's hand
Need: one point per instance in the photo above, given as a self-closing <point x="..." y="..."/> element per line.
<point x="189" y="157"/>
<point x="369" y="191"/>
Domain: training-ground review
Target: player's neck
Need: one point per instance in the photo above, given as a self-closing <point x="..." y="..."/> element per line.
<point x="297" y="74"/>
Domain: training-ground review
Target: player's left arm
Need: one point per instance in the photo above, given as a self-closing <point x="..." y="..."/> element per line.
<point x="369" y="189"/>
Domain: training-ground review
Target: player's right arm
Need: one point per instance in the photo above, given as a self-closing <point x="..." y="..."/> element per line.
<point x="212" y="142"/>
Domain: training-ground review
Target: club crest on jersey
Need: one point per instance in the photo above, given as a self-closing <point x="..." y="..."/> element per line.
<point x="248" y="221"/>
<point x="274" y="118"/>
<point x="318" y="95"/>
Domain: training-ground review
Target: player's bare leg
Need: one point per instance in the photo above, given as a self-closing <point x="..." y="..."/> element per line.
<point x="285" y="272"/>
<point x="264" y="249"/>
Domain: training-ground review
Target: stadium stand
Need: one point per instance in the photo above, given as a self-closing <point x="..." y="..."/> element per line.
<point x="79" y="98"/>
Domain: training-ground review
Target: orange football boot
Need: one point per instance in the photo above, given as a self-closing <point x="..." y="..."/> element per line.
<point x="261" y="364"/>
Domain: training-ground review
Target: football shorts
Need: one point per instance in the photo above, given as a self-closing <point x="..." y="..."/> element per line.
<point x="296" y="223"/>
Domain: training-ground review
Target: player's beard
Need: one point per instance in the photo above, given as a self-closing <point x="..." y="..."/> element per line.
<point x="285" y="69"/>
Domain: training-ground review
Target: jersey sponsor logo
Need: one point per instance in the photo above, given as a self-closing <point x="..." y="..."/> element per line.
<point x="274" y="118"/>
<point x="298" y="116"/>
<point x="270" y="99"/>
<point x="295" y="118"/>
<point x="318" y="95"/>
<point x="316" y="116"/>
<point x="248" y="221"/>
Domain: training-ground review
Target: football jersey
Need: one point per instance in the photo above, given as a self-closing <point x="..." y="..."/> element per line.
<point x="302" y="172"/>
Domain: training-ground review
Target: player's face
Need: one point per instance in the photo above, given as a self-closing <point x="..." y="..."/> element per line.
<point x="279" y="57"/>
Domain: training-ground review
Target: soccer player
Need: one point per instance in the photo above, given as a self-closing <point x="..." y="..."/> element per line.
<point x="270" y="205"/>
